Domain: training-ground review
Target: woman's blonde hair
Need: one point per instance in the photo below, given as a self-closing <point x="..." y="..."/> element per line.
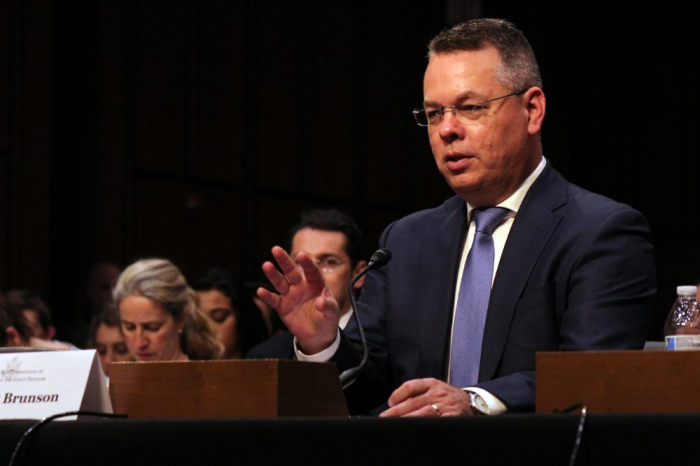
<point x="162" y="282"/>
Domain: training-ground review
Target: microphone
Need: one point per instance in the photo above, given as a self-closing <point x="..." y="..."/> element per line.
<point x="378" y="259"/>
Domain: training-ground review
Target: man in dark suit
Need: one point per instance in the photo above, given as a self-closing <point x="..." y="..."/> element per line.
<point x="520" y="261"/>
<point x="334" y="241"/>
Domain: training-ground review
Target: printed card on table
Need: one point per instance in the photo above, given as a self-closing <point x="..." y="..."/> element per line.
<point x="37" y="384"/>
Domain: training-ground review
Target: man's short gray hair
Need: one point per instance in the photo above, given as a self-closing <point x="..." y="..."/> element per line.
<point x="518" y="70"/>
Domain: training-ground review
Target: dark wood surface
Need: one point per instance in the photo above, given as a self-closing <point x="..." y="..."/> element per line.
<point x="226" y="389"/>
<point x="619" y="381"/>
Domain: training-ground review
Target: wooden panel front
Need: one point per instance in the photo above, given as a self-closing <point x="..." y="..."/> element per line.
<point x="619" y="381"/>
<point x="202" y="389"/>
<point x="310" y="390"/>
<point x="225" y="389"/>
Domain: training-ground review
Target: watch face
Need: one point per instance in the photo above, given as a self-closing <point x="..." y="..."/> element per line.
<point x="478" y="404"/>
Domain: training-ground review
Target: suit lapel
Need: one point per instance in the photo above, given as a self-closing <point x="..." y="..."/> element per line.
<point x="443" y="249"/>
<point x="531" y="230"/>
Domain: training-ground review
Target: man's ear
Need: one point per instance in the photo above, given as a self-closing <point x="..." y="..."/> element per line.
<point x="358" y="268"/>
<point x="13" y="337"/>
<point x="536" y="107"/>
<point x="50" y="332"/>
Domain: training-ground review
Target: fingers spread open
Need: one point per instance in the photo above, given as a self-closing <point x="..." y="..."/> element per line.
<point x="276" y="278"/>
<point x="289" y="268"/>
<point x="326" y="303"/>
<point x="271" y="299"/>
<point x="311" y="270"/>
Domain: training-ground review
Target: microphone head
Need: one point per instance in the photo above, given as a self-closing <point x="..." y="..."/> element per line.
<point x="380" y="257"/>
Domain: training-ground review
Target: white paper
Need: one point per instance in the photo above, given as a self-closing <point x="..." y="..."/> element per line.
<point x="34" y="385"/>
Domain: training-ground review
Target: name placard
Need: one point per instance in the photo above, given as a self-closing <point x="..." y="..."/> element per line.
<point x="34" y="384"/>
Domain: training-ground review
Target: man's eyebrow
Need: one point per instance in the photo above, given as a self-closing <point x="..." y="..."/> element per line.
<point x="320" y="255"/>
<point x="326" y="255"/>
<point x="464" y="96"/>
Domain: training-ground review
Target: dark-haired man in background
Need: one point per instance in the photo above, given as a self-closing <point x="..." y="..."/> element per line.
<point x="520" y="261"/>
<point x="334" y="242"/>
<point x="35" y="312"/>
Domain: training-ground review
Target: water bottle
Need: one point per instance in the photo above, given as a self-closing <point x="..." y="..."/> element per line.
<point x="682" y="328"/>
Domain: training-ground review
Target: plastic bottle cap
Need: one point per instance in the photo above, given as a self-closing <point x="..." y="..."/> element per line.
<point x="687" y="290"/>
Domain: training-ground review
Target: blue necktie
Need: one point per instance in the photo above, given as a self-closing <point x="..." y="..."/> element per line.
<point x="473" y="299"/>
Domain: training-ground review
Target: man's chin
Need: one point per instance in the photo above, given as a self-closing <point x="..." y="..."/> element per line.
<point x="477" y="197"/>
<point x="465" y="186"/>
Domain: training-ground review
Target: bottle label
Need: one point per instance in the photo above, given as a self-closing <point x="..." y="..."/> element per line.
<point x="683" y="342"/>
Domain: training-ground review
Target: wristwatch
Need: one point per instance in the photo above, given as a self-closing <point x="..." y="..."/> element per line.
<point x="478" y="404"/>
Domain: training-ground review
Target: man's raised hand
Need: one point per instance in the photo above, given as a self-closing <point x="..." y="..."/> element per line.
<point x="304" y="302"/>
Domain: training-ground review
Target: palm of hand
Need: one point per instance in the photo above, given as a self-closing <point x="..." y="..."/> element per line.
<point x="303" y="308"/>
<point x="304" y="303"/>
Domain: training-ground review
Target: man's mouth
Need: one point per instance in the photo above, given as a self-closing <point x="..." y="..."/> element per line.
<point x="457" y="162"/>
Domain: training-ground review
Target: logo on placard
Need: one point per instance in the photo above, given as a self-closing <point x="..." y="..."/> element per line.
<point x="12" y="367"/>
<point x="12" y="373"/>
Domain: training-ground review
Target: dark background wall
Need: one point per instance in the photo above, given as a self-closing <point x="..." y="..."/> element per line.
<point x="196" y="130"/>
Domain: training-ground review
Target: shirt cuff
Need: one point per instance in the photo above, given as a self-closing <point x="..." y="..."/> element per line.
<point x="495" y="405"/>
<point x="323" y="356"/>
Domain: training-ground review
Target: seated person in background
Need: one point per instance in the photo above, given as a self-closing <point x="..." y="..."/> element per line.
<point x="334" y="242"/>
<point x="160" y="315"/>
<point x="37" y="315"/>
<point x="107" y="338"/>
<point x="18" y="332"/>
<point x="98" y="290"/>
<point x="8" y="334"/>
<point x="95" y="294"/>
<point x="239" y="323"/>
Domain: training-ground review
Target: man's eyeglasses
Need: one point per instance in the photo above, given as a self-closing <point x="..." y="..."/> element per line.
<point x="329" y="264"/>
<point x="467" y="114"/>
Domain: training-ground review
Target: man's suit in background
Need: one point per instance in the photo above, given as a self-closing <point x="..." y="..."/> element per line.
<point x="278" y="347"/>
<point x="577" y="273"/>
<point x="282" y="346"/>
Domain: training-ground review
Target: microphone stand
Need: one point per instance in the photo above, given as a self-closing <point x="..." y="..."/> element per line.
<point x="378" y="259"/>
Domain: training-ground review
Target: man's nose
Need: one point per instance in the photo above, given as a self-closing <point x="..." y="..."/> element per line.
<point x="449" y="128"/>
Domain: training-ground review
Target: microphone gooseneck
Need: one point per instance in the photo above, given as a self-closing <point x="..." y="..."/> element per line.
<point x="378" y="259"/>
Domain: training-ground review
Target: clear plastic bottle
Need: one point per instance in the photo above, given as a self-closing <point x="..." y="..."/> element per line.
<point x="682" y="328"/>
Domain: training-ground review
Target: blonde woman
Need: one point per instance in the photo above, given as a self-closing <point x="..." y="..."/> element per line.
<point x="160" y="314"/>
